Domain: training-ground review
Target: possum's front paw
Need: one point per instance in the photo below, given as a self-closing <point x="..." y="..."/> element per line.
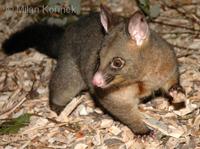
<point x="140" y="129"/>
<point x="177" y="94"/>
<point x="56" y="108"/>
<point x="145" y="137"/>
<point x="177" y="88"/>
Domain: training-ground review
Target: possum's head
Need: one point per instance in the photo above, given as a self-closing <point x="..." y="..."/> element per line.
<point x="121" y="57"/>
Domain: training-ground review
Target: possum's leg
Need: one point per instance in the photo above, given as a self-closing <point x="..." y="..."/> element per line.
<point x="173" y="80"/>
<point x="174" y="92"/>
<point x="173" y="84"/>
<point x="123" y="105"/>
<point x="66" y="83"/>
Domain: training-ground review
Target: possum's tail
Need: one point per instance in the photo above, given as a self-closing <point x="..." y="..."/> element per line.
<point x="45" y="38"/>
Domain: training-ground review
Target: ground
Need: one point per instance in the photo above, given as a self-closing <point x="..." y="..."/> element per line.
<point x="24" y="79"/>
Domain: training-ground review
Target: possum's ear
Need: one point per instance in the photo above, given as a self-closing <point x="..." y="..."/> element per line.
<point x="138" y="28"/>
<point x="106" y="17"/>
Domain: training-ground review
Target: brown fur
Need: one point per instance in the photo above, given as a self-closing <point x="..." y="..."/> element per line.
<point x="148" y="67"/>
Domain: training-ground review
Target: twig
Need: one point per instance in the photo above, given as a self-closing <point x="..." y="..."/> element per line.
<point x="65" y="124"/>
<point x="49" y="119"/>
<point x="176" y="32"/>
<point x="5" y="115"/>
<point x="174" y="25"/>
<point x="188" y="4"/>
<point x="185" y="48"/>
<point x="183" y="13"/>
<point x="184" y="55"/>
<point x="70" y="108"/>
<point x="28" y="142"/>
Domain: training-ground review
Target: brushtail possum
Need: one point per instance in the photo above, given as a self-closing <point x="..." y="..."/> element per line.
<point x="118" y="60"/>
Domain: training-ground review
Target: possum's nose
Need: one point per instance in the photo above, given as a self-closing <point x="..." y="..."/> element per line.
<point x="98" y="80"/>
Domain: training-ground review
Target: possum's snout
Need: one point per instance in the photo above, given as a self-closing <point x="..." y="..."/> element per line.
<point x="98" y="80"/>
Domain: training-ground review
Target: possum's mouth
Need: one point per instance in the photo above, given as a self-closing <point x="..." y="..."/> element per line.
<point x="108" y="79"/>
<point x="104" y="81"/>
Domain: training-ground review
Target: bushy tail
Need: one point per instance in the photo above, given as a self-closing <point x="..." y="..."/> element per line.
<point x="40" y="36"/>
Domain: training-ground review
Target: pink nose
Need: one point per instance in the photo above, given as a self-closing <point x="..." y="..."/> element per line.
<point x="98" y="80"/>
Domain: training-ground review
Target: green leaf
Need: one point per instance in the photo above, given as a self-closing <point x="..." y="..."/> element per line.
<point x="144" y="5"/>
<point x="144" y="2"/>
<point x="13" y="125"/>
<point x="154" y="11"/>
<point x="150" y="10"/>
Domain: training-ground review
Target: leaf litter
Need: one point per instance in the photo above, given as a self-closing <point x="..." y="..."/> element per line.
<point x="24" y="79"/>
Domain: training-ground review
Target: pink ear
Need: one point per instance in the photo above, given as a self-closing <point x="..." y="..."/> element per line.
<point x="105" y="16"/>
<point x="138" y="28"/>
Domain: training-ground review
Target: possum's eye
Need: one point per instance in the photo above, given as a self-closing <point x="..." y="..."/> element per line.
<point x="117" y="63"/>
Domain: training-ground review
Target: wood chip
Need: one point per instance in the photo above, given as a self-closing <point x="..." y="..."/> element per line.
<point x="80" y="146"/>
<point x="106" y="123"/>
<point x="161" y="126"/>
<point x="63" y="117"/>
<point x="114" y="130"/>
